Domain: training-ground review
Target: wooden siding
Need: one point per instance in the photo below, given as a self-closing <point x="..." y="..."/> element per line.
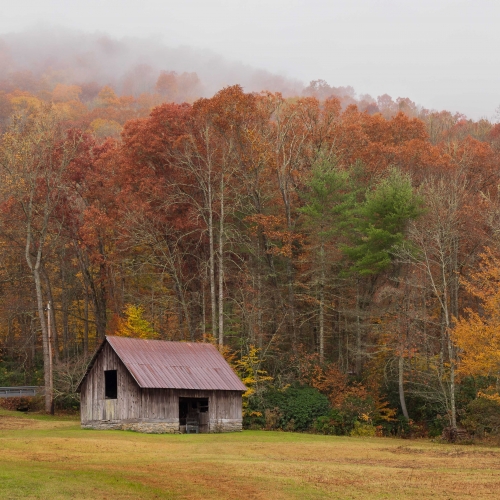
<point x="159" y="404"/>
<point x="134" y="404"/>
<point x="94" y="406"/>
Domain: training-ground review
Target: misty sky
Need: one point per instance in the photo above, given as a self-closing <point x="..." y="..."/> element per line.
<point x="442" y="54"/>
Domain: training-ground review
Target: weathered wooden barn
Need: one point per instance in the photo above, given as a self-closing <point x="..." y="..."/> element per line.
<point x="159" y="386"/>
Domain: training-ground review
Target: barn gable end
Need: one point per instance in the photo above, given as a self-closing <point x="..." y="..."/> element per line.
<point x="94" y="406"/>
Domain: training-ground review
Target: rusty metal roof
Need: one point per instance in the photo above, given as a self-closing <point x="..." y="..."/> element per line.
<point x="160" y="364"/>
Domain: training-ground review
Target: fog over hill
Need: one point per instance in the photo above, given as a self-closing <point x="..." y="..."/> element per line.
<point x="130" y="65"/>
<point x="37" y="59"/>
<point x="439" y="53"/>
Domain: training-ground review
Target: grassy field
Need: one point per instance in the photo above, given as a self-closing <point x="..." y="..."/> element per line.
<point x="51" y="457"/>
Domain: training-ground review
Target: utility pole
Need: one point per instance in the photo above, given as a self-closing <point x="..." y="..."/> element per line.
<point x="51" y="374"/>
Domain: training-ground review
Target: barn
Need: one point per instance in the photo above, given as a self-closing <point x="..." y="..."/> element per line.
<point x="160" y="386"/>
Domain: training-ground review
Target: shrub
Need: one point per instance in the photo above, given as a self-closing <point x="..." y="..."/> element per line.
<point x="25" y="403"/>
<point x="363" y="429"/>
<point x="291" y="409"/>
<point x="300" y="404"/>
<point x="272" y="419"/>
<point x="332" y="424"/>
<point x="358" y="413"/>
<point x="436" y="426"/>
<point x="483" y="416"/>
<point x="401" y="427"/>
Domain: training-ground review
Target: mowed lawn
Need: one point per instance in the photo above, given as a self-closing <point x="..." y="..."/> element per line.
<point x="45" y="457"/>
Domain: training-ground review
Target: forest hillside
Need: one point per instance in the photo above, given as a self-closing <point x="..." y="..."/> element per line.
<point x="341" y="250"/>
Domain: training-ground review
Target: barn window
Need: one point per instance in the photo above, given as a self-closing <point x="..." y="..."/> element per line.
<point x="110" y="384"/>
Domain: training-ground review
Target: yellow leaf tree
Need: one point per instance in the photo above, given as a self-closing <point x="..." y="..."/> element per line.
<point x="252" y="375"/>
<point x="478" y="335"/>
<point x="135" y="325"/>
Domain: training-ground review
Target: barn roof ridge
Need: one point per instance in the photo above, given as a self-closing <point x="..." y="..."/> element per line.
<point x="165" y="364"/>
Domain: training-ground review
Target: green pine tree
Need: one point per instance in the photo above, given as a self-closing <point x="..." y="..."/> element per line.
<point x="378" y="224"/>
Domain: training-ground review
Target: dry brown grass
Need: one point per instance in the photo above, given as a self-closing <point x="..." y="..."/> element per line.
<point x="8" y="422"/>
<point x="55" y="459"/>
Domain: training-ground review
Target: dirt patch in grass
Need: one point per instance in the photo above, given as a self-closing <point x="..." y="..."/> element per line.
<point x="446" y="451"/>
<point x="12" y="423"/>
<point x="201" y="481"/>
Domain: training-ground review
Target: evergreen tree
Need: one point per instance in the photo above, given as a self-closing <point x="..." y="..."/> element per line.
<point x="378" y="223"/>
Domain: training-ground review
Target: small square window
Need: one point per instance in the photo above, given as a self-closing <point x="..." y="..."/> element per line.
<point x="110" y="384"/>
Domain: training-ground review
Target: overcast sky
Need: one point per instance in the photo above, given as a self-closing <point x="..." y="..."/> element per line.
<point x="442" y="54"/>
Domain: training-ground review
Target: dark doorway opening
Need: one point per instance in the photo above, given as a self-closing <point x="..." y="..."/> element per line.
<point x="193" y="414"/>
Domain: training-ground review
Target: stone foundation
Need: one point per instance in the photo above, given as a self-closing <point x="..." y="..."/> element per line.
<point x="145" y="427"/>
<point x="226" y="425"/>
<point x="216" y="426"/>
<point x="150" y="428"/>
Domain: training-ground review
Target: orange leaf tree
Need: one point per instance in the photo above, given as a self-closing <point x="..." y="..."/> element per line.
<point x="478" y="335"/>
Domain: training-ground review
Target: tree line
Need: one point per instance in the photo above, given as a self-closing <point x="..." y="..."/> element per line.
<point x="327" y="240"/>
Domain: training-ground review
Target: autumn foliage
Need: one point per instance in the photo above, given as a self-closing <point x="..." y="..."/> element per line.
<point x="327" y="242"/>
<point x="477" y="335"/>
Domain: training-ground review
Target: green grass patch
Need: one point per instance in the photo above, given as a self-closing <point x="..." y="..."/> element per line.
<point x="51" y="457"/>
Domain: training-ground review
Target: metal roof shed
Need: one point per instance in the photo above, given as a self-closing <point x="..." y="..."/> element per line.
<point x="160" y="386"/>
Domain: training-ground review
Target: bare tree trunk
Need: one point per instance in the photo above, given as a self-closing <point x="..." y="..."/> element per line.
<point x="96" y="291"/>
<point x="453" y="407"/>
<point x="86" y="325"/>
<point x="211" y="266"/>
<point x="65" y="319"/>
<point x="54" y="333"/>
<point x="346" y="329"/>
<point x="260" y="325"/>
<point x="358" y="332"/>
<point x="402" y="399"/>
<point x="322" y="306"/>
<point x="291" y="303"/>
<point x="289" y="268"/>
<point x="45" y="340"/>
<point x="51" y="369"/>
<point x="203" y="310"/>
<point x="221" y="263"/>
<point x="103" y="295"/>
<point x="454" y="287"/>
<point x="33" y="342"/>
<point x="35" y="270"/>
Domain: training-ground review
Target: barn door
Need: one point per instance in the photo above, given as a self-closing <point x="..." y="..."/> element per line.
<point x="204" y="420"/>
